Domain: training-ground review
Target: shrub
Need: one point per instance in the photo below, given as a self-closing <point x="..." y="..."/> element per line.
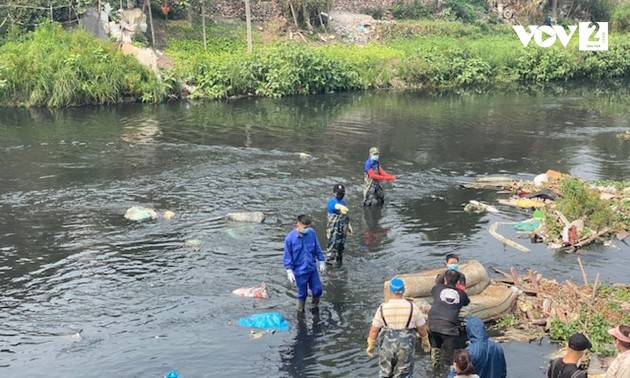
<point x="620" y="19"/>
<point x="410" y="11"/>
<point x="545" y="64"/>
<point x="55" y="68"/>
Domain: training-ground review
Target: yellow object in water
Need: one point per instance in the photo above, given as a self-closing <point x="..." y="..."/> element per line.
<point x="527" y="203"/>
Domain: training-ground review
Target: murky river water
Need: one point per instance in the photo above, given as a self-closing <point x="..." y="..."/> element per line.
<point x="85" y="293"/>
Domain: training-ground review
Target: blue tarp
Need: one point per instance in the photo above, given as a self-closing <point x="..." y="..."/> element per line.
<point x="269" y="320"/>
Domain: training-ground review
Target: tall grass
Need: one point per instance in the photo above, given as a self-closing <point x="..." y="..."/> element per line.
<point x="55" y="68"/>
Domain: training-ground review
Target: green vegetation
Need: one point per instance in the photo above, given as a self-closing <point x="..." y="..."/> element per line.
<point x="506" y="322"/>
<point x="51" y="67"/>
<point x="418" y="54"/>
<point x="597" y="320"/>
<point x="580" y="201"/>
<point x="433" y="55"/>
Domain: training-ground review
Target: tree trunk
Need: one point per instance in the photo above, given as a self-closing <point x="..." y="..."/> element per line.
<point x="148" y="2"/>
<point x="307" y="16"/>
<point x="203" y="25"/>
<point x="248" y="20"/>
<point x="554" y="9"/>
<point x="293" y="14"/>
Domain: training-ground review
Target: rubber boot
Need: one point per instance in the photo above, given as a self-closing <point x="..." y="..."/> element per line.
<point x="435" y="357"/>
<point x="300" y="306"/>
<point x="315" y="302"/>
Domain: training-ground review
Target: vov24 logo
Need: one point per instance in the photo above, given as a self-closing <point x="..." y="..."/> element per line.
<point x="592" y="35"/>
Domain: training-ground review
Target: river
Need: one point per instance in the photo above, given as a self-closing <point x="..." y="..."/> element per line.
<point x="86" y="293"/>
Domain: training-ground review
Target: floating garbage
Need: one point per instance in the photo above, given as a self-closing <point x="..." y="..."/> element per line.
<point x="194" y="244"/>
<point x="139" y="213"/>
<point x="172" y="374"/>
<point x="258" y="334"/>
<point x="251" y="217"/>
<point x="268" y="320"/>
<point x="528" y="225"/>
<point x="261" y="291"/>
<point x="477" y="207"/>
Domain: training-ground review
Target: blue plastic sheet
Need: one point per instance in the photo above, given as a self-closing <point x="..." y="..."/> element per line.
<point x="268" y="320"/>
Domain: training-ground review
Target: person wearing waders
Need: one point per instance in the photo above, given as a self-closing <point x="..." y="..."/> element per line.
<point x="337" y="226"/>
<point x="301" y="255"/>
<point x="444" y="319"/>
<point x="400" y="322"/>
<point x="373" y="175"/>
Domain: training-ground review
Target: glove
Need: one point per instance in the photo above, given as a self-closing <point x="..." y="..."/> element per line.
<point x="426" y="345"/>
<point x="391" y="178"/>
<point x="322" y="267"/>
<point x="342" y="209"/>
<point x="290" y="276"/>
<point x="370" y="348"/>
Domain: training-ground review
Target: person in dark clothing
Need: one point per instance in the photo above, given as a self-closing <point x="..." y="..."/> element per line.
<point x="567" y="366"/>
<point x="444" y="318"/>
<point x="487" y="356"/>
<point x="452" y="263"/>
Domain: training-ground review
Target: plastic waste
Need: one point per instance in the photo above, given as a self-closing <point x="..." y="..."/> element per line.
<point x="261" y="291"/>
<point x="541" y="179"/>
<point x="172" y="374"/>
<point x="268" y="320"/>
<point x="538" y="214"/>
<point x="528" y="225"/>
<point x="517" y="290"/>
<point x="139" y="213"/>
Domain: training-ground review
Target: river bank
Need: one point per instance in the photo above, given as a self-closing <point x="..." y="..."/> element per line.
<point x="74" y="69"/>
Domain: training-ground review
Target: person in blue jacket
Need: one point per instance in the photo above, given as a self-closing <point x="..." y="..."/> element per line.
<point x="372" y="177"/>
<point x="337" y="225"/>
<point x="301" y="255"/>
<point x="487" y="356"/>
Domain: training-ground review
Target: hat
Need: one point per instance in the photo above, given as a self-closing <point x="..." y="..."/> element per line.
<point x="339" y="188"/>
<point x="373" y="151"/>
<point x="579" y="342"/>
<point x="396" y="286"/>
<point x="617" y="334"/>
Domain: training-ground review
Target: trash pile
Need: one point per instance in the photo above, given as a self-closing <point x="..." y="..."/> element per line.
<point x="545" y="306"/>
<point x="567" y="212"/>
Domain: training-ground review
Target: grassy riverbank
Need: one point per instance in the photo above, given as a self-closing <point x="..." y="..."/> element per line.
<point x="52" y="67"/>
<point x="71" y="68"/>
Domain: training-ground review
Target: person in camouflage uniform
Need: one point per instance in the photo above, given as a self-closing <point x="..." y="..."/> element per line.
<point x="337" y="226"/>
<point x="400" y="322"/>
<point x="373" y="175"/>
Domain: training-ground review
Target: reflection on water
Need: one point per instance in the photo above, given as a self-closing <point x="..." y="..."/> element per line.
<point x="144" y="303"/>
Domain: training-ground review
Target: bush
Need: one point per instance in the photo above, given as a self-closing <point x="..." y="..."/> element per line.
<point x="55" y="68"/>
<point x="462" y="10"/>
<point x="376" y="13"/>
<point x="620" y="19"/>
<point x="289" y="69"/>
<point x="546" y="64"/>
<point x="445" y="68"/>
<point x="410" y="11"/>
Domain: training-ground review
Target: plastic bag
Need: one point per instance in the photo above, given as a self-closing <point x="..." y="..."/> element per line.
<point x="269" y="320"/>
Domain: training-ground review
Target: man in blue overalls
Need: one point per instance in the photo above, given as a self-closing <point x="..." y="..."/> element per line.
<point x="301" y="253"/>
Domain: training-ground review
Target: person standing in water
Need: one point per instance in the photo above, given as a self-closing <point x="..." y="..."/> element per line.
<point x="338" y="225"/>
<point x="373" y="175"/>
<point x="301" y="255"/>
